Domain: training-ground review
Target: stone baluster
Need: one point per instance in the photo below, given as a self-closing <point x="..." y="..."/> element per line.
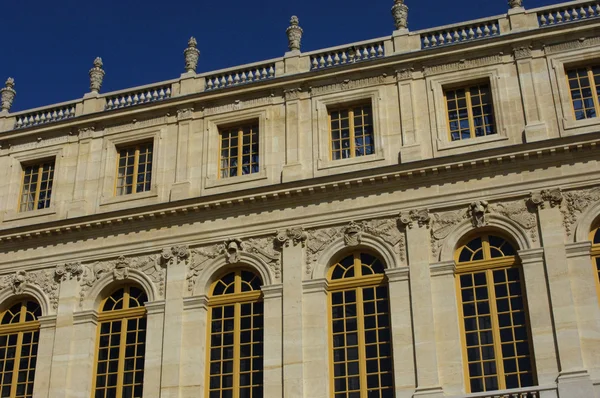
<point x="8" y="95"/>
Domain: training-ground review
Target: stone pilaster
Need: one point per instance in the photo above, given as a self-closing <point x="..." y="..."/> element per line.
<point x="155" y="319"/>
<point x="41" y="385"/>
<point x="297" y="109"/>
<point x="428" y="381"/>
<point x="193" y="373"/>
<point x="540" y="315"/>
<point x="293" y="258"/>
<point x="402" y="335"/>
<point x="182" y="186"/>
<point x="583" y="276"/>
<point x="573" y="380"/>
<point x="447" y="328"/>
<point x="316" y="331"/>
<point x="273" y="340"/>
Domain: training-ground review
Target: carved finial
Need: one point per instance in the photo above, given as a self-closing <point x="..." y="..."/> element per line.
<point x="96" y="75"/>
<point x="515" y="3"/>
<point x="191" y="54"/>
<point x="8" y="94"/>
<point x="294" y="34"/>
<point x="400" y="14"/>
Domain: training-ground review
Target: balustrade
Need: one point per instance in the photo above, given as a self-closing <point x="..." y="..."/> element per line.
<point x="137" y="97"/>
<point x="459" y="34"/>
<point x="44" y="116"/>
<point x="347" y="55"/>
<point x="575" y="12"/>
<point x="238" y="77"/>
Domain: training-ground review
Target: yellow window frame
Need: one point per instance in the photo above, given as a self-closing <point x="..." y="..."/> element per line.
<point x="489" y="265"/>
<point x="596" y="260"/>
<point x="590" y="76"/>
<point x="136" y="163"/>
<point x="356" y="284"/>
<point x="470" y="115"/>
<point x="240" y="156"/>
<point x="236" y="299"/>
<point x="20" y="329"/>
<point x="351" y="126"/>
<point x="40" y="172"/>
<point x="123" y="315"/>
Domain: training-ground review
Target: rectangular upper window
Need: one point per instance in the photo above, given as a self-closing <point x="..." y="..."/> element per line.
<point x="239" y="150"/>
<point x="134" y="169"/>
<point x="351" y="130"/>
<point x="470" y="112"/>
<point x="584" y="83"/>
<point x="36" y="190"/>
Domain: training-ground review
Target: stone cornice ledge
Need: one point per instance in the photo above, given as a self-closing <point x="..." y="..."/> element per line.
<point x="47" y="321"/>
<point x="443" y="268"/>
<point x="397" y="274"/>
<point x="155" y="307"/>
<point x="195" y="303"/>
<point x="579" y="249"/>
<point x="288" y="192"/>
<point x="529" y="256"/>
<point x="315" y="286"/>
<point x="89" y="316"/>
<point x="272" y="291"/>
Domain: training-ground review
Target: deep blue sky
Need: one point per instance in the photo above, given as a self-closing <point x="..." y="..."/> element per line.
<point x="49" y="47"/>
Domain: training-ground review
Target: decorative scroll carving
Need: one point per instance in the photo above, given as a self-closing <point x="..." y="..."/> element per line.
<point x="576" y="203"/>
<point x="151" y="265"/>
<point x="43" y="279"/>
<point x="266" y="249"/>
<point x="442" y="225"/>
<point x="421" y="217"/>
<point x="572" y="45"/>
<point x="349" y="85"/>
<point x="519" y="212"/>
<point x="297" y="236"/>
<point x="386" y="229"/>
<point x="462" y="65"/>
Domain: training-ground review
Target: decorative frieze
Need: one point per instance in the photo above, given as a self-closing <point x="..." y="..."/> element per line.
<point x="576" y="203"/>
<point x="42" y="279"/>
<point x="296" y="236"/>
<point x="136" y="124"/>
<point x="419" y="217"/>
<point x="349" y="85"/>
<point x="40" y="143"/>
<point x="520" y="212"/>
<point x="522" y="52"/>
<point x="386" y="229"/>
<point x="238" y="105"/>
<point x="462" y="65"/>
<point x="572" y="45"/>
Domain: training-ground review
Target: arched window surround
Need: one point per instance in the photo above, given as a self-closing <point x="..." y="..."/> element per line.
<point x="365" y="330"/>
<point x="499" y="279"/>
<point x="595" y="239"/>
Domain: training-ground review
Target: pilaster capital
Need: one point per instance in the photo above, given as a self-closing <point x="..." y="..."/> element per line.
<point x="529" y="256"/>
<point x="295" y="236"/>
<point x="155" y="307"/>
<point x="88" y="316"/>
<point x="443" y="268"/>
<point x="195" y="303"/>
<point x="579" y="249"/>
<point x="552" y="196"/>
<point x="47" y="321"/>
<point x="272" y="291"/>
<point x="315" y="286"/>
<point x="397" y="274"/>
<point x="419" y="217"/>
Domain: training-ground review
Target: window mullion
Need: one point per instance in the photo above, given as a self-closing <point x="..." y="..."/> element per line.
<point x="470" y="112"/>
<point x="593" y="88"/>
<point x="38" y="186"/>
<point x="16" y="367"/>
<point x="136" y="162"/>
<point x="239" y="150"/>
<point x="362" y="351"/>
<point x="121" y="368"/>
<point x="496" y="330"/>
<point x="236" y="349"/>
<point x="351" y="135"/>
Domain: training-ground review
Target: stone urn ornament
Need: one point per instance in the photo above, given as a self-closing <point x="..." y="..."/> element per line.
<point x="515" y="3"/>
<point x="400" y="14"/>
<point x="294" y="34"/>
<point x="192" y="54"/>
<point x="96" y="76"/>
<point x="7" y="94"/>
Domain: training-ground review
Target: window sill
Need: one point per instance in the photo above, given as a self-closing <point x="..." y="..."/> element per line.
<point x="323" y="164"/>
<point x="15" y="216"/>
<point x="221" y="182"/>
<point x="133" y="197"/>
<point x="571" y="126"/>
<point x="444" y="145"/>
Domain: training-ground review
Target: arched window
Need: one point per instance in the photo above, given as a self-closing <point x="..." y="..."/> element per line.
<point x="495" y="323"/>
<point x="121" y="344"/>
<point x="595" y="238"/>
<point x="361" y="349"/>
<point x="19" y="335"/>
<point x="235" y="358"/>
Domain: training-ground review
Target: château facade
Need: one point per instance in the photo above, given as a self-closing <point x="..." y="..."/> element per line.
<point x="412" y="216"/>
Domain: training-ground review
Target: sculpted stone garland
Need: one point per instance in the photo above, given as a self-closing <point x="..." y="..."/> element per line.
<point x="43" y="279"/>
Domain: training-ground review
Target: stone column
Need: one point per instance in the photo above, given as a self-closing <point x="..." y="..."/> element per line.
<point x="83" y="352"/>
<point x="402" y="340"/>
<point x="540" y="315"/>
<point x="172" y="345"/>
<point x="155" y="318"/>
<point x="535" y="128"/>
<point x="447" y="327"/>
<point x="41" y="385"/>
<point x="193" y="372"/>
<point x="573" y="380"/>
<point x="182" y="186"/>
<point x="273" y="341"/>
<point x="293" y="259"/>
<point x="585" y="297"/>
<point x="418" y="241"/>
<point x="65" y="348"/>
<point x="316" y="331"/>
